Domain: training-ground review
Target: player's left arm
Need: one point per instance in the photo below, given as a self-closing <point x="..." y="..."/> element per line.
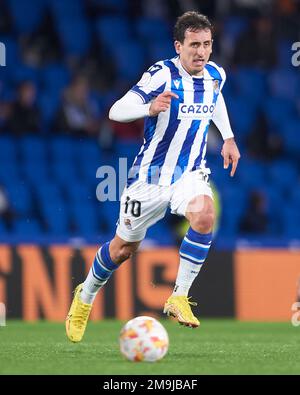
<point x="230" y="151"/>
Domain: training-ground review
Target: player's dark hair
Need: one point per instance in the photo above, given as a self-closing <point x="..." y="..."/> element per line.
<point x="192" y="21"/>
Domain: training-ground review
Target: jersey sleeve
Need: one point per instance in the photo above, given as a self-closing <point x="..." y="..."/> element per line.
<point x="152" y="83"/>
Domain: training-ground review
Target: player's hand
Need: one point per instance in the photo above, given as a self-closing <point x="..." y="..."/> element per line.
<point x="231" y="155"/>
<point x="161" y="103"/>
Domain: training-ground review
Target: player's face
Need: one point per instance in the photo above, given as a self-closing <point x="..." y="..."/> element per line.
<point x="195" y="50"/>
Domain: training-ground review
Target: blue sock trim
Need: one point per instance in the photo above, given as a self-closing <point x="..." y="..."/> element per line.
<point x="193" y="251"/>
<point x="105" y="257"/>
<point x="199" y="237"/>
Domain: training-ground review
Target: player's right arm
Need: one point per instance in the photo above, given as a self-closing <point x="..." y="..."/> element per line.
<point x="147" y="98"/>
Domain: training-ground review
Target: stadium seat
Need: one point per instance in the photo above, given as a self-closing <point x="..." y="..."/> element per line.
<point x="108" y="214"/>
<point x="33" y="148"/>
<point x="35" y="171"/>
<point x="27" y="15"/>
<point x="48" y="104"/>
<point x="278" y="112"/>
<point x="233" y="27"/>
<point x="161" y="234"/>
<point x="75" y="36"/>
<point x="291" y="221"/>
<point x="124" y="50"/>
<point x="48" y="191"/>
<point x="61" y="148"/>
<point x="63" y="171"/>
<point x="21" y="72"/>
<point x="251" y="173"/>
<point x="3" y="229"/>
<point x="284" y="83"/>
<point x="87" y="148"/>
<point x="160" y="50"/>
<point x="295" y="195"/>
<point x="27" y="228"/>
<point x="242" y="113"/>
<point x="55" y="215"/>
<point x="9" y="173"/>
<point x="66" y="9"/>
<point x="291" y="137"/>
<point x="79" y="193"/>
<point x="152" y="29"/>
<point x="283" y="174"/>
<point x="54" y="76"/>
<point x="117" y="24"/>
<point x="85" y="219"/>
<point x="20" y="199"/>
<point x="8" y="148"/>
<point x="116" y="6"/>
<point x="250" y="83"/>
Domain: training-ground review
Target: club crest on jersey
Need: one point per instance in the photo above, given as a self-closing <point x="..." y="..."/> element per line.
<point x="195" y="110"/>
<point x="216" y="86"/>
<point x="127" y="223"/>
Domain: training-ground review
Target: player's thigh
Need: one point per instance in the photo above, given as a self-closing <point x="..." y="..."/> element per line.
<point x="141" y="206"/>
<point x="192" y="193"/>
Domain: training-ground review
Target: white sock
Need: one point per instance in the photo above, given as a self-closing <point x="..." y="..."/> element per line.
<point x="90" y="288"/>
<point x="186" y="275"/>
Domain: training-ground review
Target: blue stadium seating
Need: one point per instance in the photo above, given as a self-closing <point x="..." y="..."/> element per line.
<point x="291" y="137"/>
<point x="54" y="76"/>
<point x="8" y="148"/>
<point x="116" y="6"/>
<point x="278" y="112"/>
<point x="291" y="221"/>
<point x="120" y="27"/>
<point x="9" y="173"/>
<point x="242" y="113"/>
<point x="20" y="198"/>
<point x="160" y="233"/>
<point x="151" y="29"/>
<point x="250" y="83"/>
<point x="27" y="15"/>
<point x="55" y="215"/>
<point x="27" y="228"/>
<point x="33" y="148"/>
<point x="284" y="83"/>
<point x="283" y="174"/>
<point x="160" y="50"/>
<point x="75" y="36"/>
<point x="122" y="52"/>
<point x="3" y="229"/>
<point x="85" y="219"/>
<point x="66" y="9"/>
<point x="50" y="178"/>
<point x="251" y="173"/>
<point x="61" y="148"/>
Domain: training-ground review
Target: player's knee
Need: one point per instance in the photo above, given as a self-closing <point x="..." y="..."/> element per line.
<point x="202" y="223"/>
<point x="125" y="252"/>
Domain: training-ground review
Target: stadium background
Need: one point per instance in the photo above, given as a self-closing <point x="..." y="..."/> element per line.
<point x="67" y="61"/>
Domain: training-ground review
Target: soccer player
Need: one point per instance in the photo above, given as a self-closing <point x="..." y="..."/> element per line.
<point x="178" y="99"/>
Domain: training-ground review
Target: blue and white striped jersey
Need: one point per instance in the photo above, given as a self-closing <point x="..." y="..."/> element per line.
<point x="175" y="140"/>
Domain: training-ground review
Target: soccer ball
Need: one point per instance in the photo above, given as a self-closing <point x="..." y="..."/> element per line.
<point x="144" y="339"/>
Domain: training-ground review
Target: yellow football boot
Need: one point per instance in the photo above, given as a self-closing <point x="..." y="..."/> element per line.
<point x="180" y="308"/>
<point x="77" y="317"/>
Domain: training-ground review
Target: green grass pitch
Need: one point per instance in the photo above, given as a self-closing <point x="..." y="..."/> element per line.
<point x="217" y="347"/>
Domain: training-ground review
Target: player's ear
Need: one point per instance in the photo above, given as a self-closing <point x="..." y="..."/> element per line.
<point x="177" y="45"/>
